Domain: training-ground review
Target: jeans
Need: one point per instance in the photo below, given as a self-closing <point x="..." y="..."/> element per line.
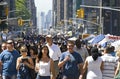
<point x="9" y="77"/>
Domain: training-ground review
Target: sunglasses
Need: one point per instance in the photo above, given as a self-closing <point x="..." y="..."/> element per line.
<point x="24" y="51"/>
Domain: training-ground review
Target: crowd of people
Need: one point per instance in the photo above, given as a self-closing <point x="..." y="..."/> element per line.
<point x="46" y="58"/>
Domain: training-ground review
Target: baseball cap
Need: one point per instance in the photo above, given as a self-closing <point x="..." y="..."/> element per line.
<point x="9" y="41"/>
<point x="48" y="36"/>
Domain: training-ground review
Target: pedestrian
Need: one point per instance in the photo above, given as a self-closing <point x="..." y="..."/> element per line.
<point x="81" y="50"/>
<point x="70" y="62"/>
<point x="24" y="64"/>
<point x="45" y="65"/>
<point x="8" y="60"/>
<point x="4" y="46"/>
<point x="94" y="64"/>
<point x="110" y="64"/>
<point x="33" y="53"/>
<point x="54" y="52"/>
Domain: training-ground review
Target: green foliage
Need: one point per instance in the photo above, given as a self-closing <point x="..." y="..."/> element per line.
<point x="22" y="9"/>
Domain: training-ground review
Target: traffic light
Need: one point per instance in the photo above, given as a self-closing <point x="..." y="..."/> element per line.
<point x="80" y="13"/>
<point x="20" y="22"/>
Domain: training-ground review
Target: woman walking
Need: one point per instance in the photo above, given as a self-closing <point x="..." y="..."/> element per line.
<point x="94" y="64"/>
<point x="24" y="64"/>
<point x="45" y="65"/>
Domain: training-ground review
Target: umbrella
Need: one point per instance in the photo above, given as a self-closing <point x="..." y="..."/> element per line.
<point x="89" y="37"/>
<point x="98" y="38"/>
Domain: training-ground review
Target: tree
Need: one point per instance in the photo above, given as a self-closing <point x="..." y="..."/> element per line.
<point x="22" y="9"/>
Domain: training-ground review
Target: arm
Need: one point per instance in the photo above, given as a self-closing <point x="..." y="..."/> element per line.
<point x="117" y="69"/>
<point x="102" y="66"/>
<point x="61" y="63"/>
<point x="83" y="68"/>
<point x="52" y="69"/>
<point x="1" y="60"/>
<point x="0" y="64"/>
<point x="18" y="63"/>
<point x="37" y="67"/>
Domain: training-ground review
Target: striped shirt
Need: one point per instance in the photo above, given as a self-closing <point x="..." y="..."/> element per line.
<point x="110" y="64"/>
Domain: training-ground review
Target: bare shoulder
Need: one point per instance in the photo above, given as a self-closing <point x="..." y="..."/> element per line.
<point x="18" y="57"/>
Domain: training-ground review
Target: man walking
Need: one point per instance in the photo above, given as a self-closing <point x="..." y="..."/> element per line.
<point x="8" y="61"/>
<point x="54" y="52"/>
<point x="70" y="62"/>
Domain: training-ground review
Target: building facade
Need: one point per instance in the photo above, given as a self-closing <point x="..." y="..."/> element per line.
<point x="54" y="13"/>
<point x="58" y="12"/>
<point x="33" y="13"/>
<point x="109" y="18"/>
<point x="30" y="4"/>
<point x="62" y="12"/>
<point x="11" y="6"/>
<point x="48" y="20"/>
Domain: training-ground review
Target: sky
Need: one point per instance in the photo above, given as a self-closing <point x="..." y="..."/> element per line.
<point x="43" y="5"/>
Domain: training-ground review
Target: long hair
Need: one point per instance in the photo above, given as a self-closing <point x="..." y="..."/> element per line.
<point x="34" y="49"/>
<point x="40" y="53"/>
<point x="95" y="53"/>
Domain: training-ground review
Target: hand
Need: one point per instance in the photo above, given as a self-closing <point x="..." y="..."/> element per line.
<point x="37" y="67"/>
<point x="67" y="58"/>
<point x="26" y="63"/>
<point x="80" y="77"/>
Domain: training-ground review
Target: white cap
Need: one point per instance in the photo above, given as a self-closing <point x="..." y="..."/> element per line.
<point x="49" y="36"/>
<point x="9" y="41"/>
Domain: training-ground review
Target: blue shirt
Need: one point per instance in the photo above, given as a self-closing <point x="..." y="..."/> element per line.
<point x="9" y="59"/>
<point x="70" y="68"/>
<point x="113" y="53"/>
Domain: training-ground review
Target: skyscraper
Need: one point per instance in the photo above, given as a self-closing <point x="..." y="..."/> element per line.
<point x="30" y="4"/>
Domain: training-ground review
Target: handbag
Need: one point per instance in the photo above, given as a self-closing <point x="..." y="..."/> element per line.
<point x="59" y="75"/>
